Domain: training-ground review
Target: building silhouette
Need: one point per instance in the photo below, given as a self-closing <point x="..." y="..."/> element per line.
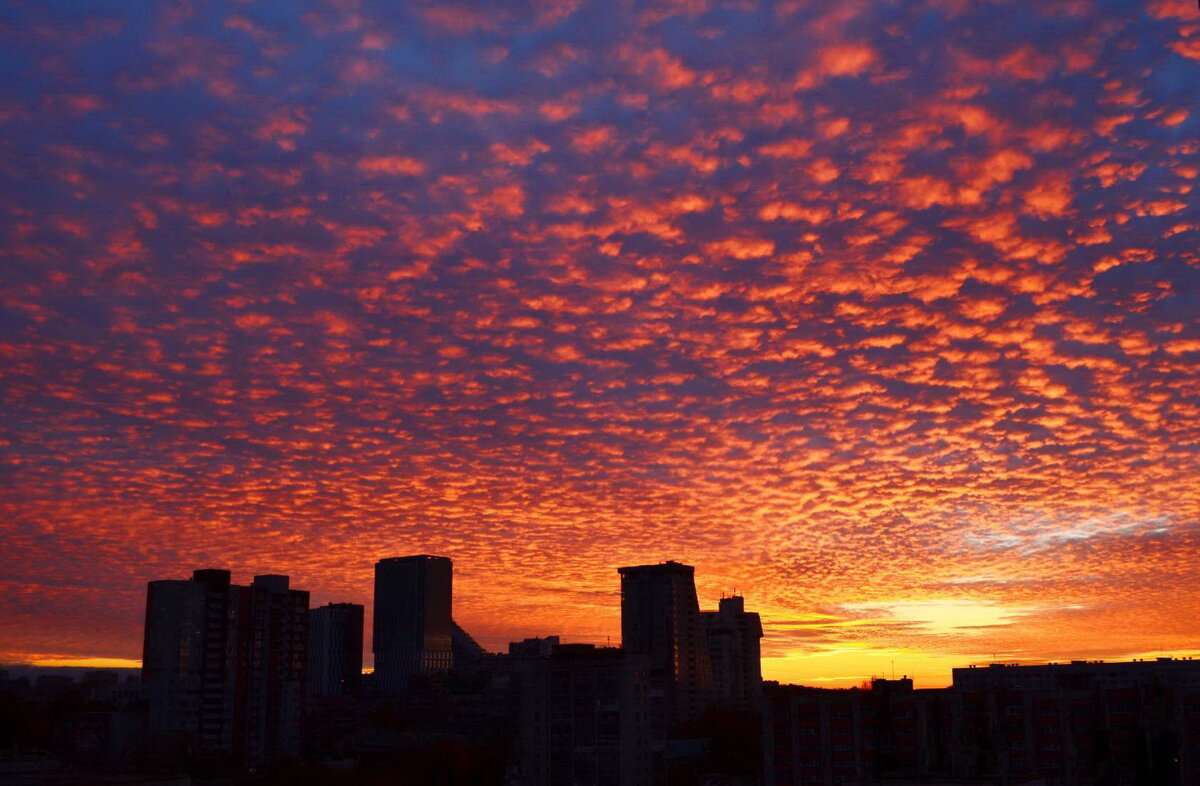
<point x="223" y="667"/>
<point x="335" y="642"/>
<point x="537" y="647"/>
<point x="413" y="627"/>
<point x="568" y="713"/>
<point x="733" y="637"/>
<point x="667" y="677"/>
<point x="661" y="626"/>
<point x="467" y="653"/>
<point x="1069" y="724"/>
<point x="224" y="676"/>
<point x="1080" y="722"/>
<point x="829" y="737"/>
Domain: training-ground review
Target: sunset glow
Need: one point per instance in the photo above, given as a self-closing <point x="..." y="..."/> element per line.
<point x="881" y="314"/>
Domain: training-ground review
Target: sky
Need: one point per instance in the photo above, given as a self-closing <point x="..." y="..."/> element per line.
<point x="881" y="314"/>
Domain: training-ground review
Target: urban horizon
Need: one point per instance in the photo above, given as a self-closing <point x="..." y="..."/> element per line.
<point x="248" y="683"/>
<point x="499" y="644"/>
<point x="883" y="315"/>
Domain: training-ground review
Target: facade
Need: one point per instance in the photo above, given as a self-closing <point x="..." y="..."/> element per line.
<point x="335" y="641"/>
<point x="667" y="677"/>
<point x="733" y="638"/>
<point x="413" y="625"/>
<point x="1071" y="724"/>
<point x="661" y="626"/>
<point x="817" y="737"/>
<point x="189" y="664"/>
<point x="1080" y="722"/>
<point x="823" y="737"/>
<point x="569" y="715"/>
<point x="223" y="667"/>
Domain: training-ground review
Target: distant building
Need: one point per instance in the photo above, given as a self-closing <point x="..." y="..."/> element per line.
<point x="828" y="737"/>
<point x="569" y="715"/>
<point x="817" y="737"/>
<point x="1072" y="724"/>
<point x="733" y="635"/>
<point x="223" y="667"/>
<point x="667" y="677"/>
<point x="534" y="647"/>
<point x="1080" y="723"/>
<point x="335" y="645"/>
<point x="467" y="654"/>
<point x="413" y="625"/>
<point x="54" y="684"/>
<point x="107" y="688"/>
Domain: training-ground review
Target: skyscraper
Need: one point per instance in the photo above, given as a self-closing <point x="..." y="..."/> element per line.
<point x="412" y="628"/>
<point x="734" y="650"/>
<point x="660" y="622"/>
<point x="666" y="677"/>
<point x="274" y="630"/>
<point x="188" y="664"/>
<point x="335" y="640"/>
<point x="223" y="666"/>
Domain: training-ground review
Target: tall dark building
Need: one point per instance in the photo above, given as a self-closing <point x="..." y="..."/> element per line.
<point x="223" y="666"/>
<point x="413" y="627"/>
<point x="335" y="641"/>
<point x="667" y="676"/>
<point x="661" y="623"/>
<point x="189" y="666"/>
<point x="733" y="636"/>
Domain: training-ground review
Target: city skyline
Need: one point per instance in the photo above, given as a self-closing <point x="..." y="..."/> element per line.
<point x="882" y="315"/>
<point x="501" y="643"/>
<point x="248" y="681"/>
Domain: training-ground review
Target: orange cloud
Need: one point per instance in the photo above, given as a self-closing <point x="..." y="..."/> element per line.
<point x="391" y="165"/>
<point x="850" y="59"/>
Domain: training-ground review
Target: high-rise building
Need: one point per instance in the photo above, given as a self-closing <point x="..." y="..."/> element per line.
<point x="335" y="640"/>
<point x="274" y="665"/>
<point x="413" y="627"/>
<point x="733" y="636"/>
<point x="223" y="666"/>
<point x="188" y="664"/>
<point x="661" y="622"/>
<point x="667" y="677"/>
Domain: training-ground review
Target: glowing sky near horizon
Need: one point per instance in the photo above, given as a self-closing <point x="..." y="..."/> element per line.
<point x="882" y="314"/>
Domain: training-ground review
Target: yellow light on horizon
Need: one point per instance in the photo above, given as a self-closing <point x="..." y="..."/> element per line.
<point x="87" y="663"/>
